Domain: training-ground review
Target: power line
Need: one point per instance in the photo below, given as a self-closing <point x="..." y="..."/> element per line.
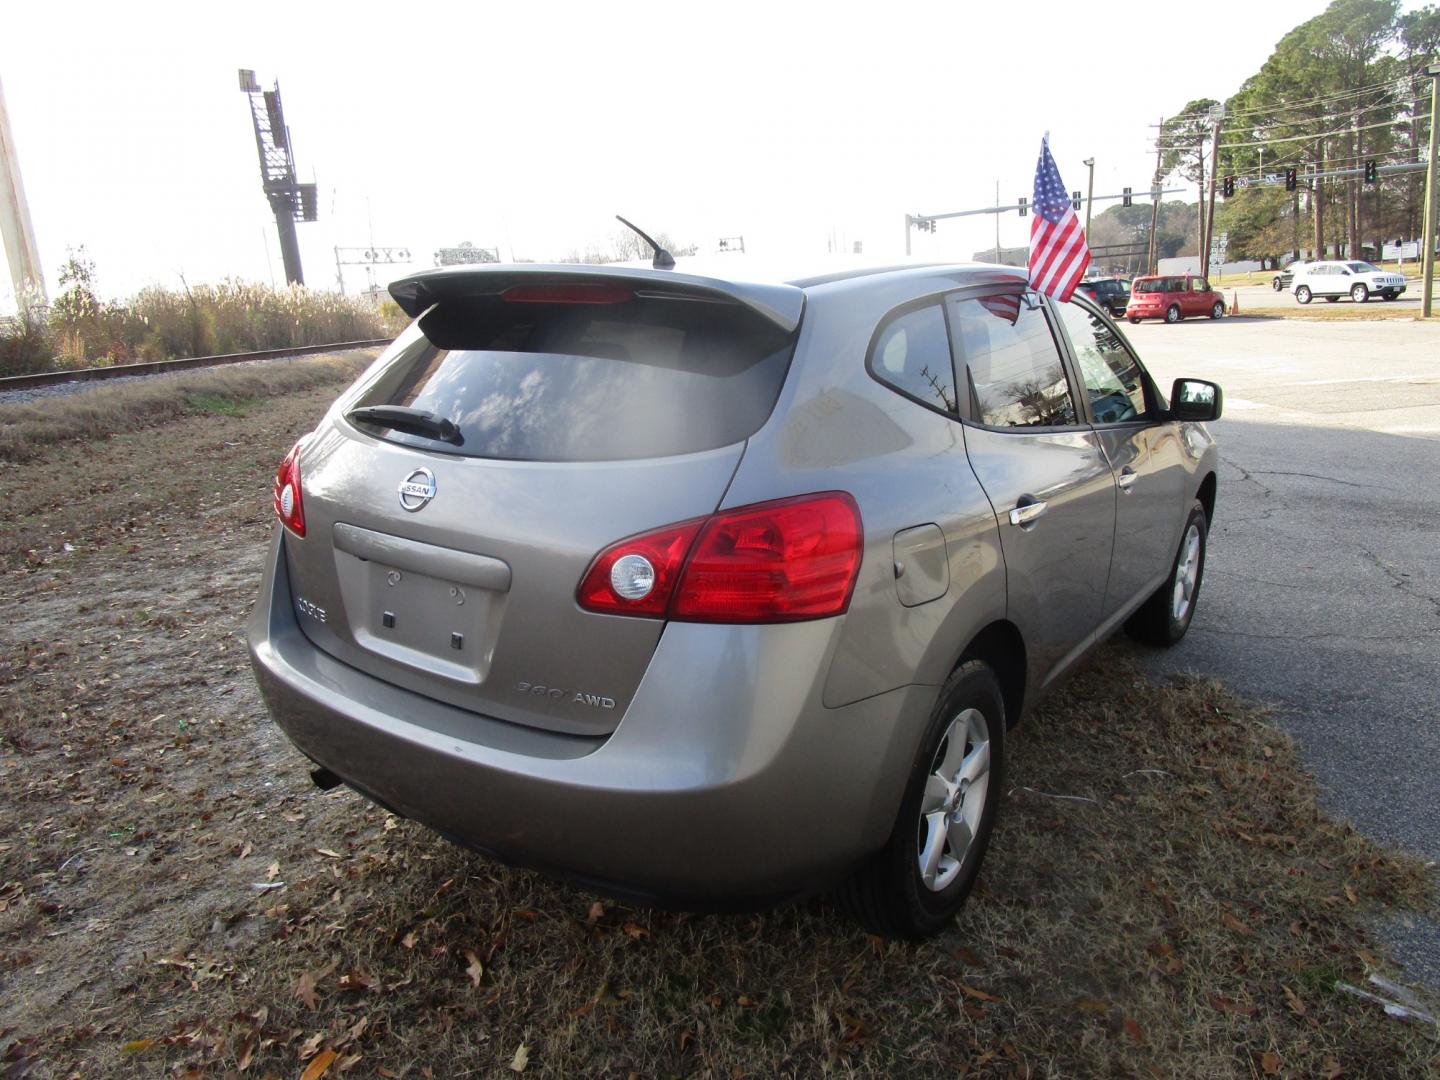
<point x="1177" y="142"/>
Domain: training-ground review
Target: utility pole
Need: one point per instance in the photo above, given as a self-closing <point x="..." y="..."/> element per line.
<point x="16" y="232"/>
<point x="1427" y="273"/>
<point x="1155" y="193"/>
<point x="1089" y="193"/>
<point x="997" y="221"/>
<point x="1217" y="116"/>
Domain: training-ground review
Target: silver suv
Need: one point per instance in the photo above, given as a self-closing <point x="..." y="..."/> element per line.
<point x="720" y="591"/>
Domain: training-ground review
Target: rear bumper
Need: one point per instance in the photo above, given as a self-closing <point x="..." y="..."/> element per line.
<point x="727" y="780"/>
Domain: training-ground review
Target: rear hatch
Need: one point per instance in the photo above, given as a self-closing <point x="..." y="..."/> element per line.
<point x="454" y="497"/>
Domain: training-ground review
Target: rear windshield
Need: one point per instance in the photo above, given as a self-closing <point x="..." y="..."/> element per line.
<point x="644" y="377"/>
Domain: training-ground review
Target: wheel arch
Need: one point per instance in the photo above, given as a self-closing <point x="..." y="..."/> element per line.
<point x="1206" y="494"/>
<point x="1001" y="646"/>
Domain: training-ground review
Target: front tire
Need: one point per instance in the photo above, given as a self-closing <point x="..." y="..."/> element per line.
<point x="1217" y="310"/>
<point x="1360" y="293"/>
<point x="915" y="884"/>
<point x="1276" y="285"/>
<point x="1135" y="319"/>
<point x="1303" y="294"/>
<point x="1163" y="619"/>
<point x="1389" y="295"/>
<point x="1172" y="313"/>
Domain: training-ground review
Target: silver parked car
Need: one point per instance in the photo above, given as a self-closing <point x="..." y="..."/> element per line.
<point x="713" y="591"/>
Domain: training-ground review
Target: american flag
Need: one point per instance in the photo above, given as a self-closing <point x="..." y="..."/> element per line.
<point x="1003" y="306"/>
<point x="1058" y="252"/>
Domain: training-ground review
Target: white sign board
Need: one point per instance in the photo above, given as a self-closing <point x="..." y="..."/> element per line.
<point x="1400" y="251"/>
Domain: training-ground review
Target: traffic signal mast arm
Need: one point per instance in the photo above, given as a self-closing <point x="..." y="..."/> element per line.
<point x="920" y="220"/>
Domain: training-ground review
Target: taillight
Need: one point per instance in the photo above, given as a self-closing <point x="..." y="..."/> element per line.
<point x="780" y="561"/>
<point x="638" y="575"/>
<point x="288" y="507"/>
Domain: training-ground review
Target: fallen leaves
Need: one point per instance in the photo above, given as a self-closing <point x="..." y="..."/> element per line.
<point x="977" y="994"/>
<point x="305" y="989"/>
<point x="1234" y="924"/>
<point x="319" y="1065"/>
<point x="474" y="970"/>
<point x="1293" y="1001"/>
<point x="521" y="1058"/>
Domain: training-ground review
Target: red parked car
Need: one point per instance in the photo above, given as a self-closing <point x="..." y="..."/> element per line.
<point x="1172" y="297"/>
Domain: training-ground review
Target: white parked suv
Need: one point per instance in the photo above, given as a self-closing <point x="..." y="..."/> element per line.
<point x="1332" y="280"/>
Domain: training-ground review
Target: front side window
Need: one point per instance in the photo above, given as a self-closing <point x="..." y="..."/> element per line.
<point x="1013" y="369"/>
<point x="912" y="354"/>
<point x="1199" y="284"/>
<point x="1113" y="379"/>
<point x="1363" y="268"/>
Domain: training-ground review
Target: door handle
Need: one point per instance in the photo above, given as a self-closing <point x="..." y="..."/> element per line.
<point x="1026" y="513"/>
<point x="1127" y="478"/>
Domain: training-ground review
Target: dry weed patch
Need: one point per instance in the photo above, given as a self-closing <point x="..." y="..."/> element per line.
<point x="177" y="900"/>
<point x="108" y="409"/>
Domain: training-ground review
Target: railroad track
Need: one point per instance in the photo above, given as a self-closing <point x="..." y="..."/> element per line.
<point x="157" y="367"/>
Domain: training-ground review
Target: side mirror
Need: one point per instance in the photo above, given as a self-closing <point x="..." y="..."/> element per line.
<point x="1195" y="399"/>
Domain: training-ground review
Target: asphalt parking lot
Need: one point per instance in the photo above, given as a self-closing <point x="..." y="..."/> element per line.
<point x="1322" y="588"/>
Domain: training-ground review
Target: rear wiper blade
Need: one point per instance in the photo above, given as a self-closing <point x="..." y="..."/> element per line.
<point x="411" y="421"/>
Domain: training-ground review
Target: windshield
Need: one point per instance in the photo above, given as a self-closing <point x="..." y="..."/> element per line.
<point x="1362" y="268"/>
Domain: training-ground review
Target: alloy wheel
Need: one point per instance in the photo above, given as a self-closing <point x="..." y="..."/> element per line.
<point x="1187" y="574"/>
<point x="954" y="799"/>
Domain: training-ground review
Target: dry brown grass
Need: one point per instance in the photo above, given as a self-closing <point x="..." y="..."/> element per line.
<point x="105" y="409"/>
<point x="1345" y="311"/>
<point x="1188" y="915"/>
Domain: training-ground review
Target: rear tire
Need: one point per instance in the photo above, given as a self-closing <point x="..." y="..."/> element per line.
<point x="890" y="894"/>
<point x="1360" y="293"/>
<point x="1172" y="313"/>
<point x="1217" y="310"/>
<point x="1303" y="294"/>
<point x="1331" y="299"/>
<point x="1163" y="619"/>
<point x="1134" y="318"/>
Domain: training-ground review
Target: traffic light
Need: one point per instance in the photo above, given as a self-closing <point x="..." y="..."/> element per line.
<point x="1291" y="179"/>
<point x="1372" y="171"/>
<point x="1227" y="187"/>
<point x="1074" y="200"/>
<point x="1125" y="197"/>
<point x="1024" y="206"/>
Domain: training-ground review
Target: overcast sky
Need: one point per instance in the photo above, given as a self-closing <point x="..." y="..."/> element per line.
<point x="527" y="126"/>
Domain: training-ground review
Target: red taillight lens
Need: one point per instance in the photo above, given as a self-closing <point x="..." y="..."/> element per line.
<point x="567" y="294"/>
<point x="288" y="507"/>
<point x="780" y="561"/>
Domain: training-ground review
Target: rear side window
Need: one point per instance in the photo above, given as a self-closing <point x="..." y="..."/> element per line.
<point x="1013" y="368"/>
<point x="911" y="353"/>
<point x="555" y="381"/>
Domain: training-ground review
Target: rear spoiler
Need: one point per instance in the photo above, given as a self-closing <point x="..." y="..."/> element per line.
<point x="777" y="304"/>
